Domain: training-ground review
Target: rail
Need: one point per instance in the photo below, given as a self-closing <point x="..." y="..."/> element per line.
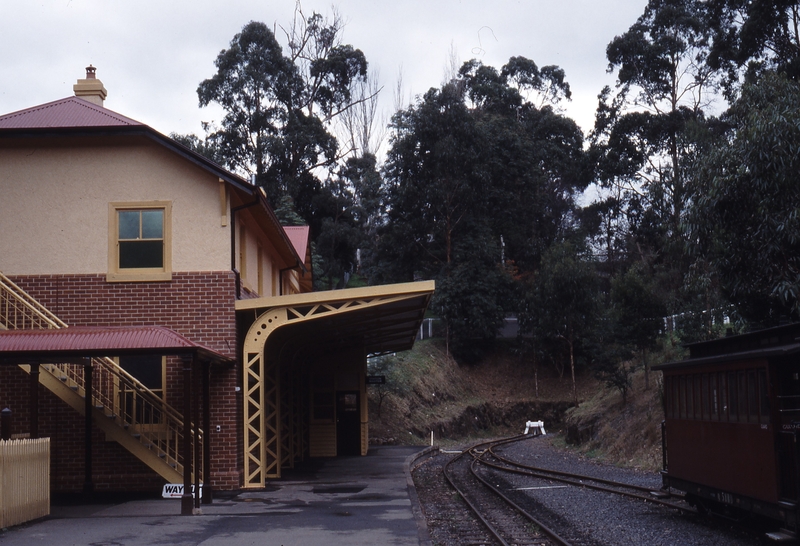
<point x="121" y="398"/>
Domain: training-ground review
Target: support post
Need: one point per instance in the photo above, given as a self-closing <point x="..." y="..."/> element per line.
<point x="207" y="494"/>
<point x="34" y="395"/>
<point x="186" y="498"/>
<point x="5" y="424"/>
<point x="197" y="463"/>
<point x="88" y="485"/>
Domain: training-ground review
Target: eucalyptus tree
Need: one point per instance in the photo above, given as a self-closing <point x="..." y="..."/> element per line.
<point x="751" y="37"/>
<point x="746" y="216"/>
<point x="637" y="312"/>
<point x="480" y="182"/>
<point x="277" y="106"/>
<point x="566" y="299"/>
<point x="648" y="131"/>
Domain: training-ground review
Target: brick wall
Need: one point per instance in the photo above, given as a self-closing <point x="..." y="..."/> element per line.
<point x="199" y="306"/>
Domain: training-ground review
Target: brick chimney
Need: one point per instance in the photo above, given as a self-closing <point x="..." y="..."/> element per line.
<point x="91" y="88"/>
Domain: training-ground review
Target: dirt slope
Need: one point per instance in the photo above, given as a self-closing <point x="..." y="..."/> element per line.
<point x="428" y="391"/>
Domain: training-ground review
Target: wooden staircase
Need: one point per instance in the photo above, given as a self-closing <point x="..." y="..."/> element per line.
<point x="123" y="408"/>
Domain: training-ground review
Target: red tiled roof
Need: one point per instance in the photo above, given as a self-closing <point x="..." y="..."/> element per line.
<point x="70" y="112"/>
<point x="103" y="341"/>
<point x="298" y="236"/>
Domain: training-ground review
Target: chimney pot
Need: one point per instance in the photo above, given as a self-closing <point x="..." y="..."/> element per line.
<point x="91" y="88"/>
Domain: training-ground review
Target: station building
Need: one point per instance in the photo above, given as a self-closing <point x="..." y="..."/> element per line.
<point x="157" y="322"/>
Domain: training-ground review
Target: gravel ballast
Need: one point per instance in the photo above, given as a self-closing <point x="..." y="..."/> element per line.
<point x="606" y="518"/>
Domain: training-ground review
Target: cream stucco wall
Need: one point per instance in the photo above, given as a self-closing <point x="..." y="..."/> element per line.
<point x="256" y="261"/>
<point x="54" y="199"/>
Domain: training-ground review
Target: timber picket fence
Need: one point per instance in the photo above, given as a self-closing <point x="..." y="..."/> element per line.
<point x="24" y="480"/>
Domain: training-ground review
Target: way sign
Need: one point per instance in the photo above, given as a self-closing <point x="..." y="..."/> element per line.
<point x="376" y="380"/>
<point x="175" y="490"/>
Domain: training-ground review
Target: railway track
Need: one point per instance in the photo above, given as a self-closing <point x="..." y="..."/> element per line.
<point x="510" y="516"/>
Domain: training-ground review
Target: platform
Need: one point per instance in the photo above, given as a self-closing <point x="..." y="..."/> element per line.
<point x="346" y="500"/>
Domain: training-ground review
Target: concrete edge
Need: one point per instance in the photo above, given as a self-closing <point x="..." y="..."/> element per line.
<point x="416" y="507"/>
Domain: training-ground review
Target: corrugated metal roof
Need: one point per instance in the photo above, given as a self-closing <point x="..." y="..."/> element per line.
<point x="103" y="341"/>
<point x="69" y="112"/>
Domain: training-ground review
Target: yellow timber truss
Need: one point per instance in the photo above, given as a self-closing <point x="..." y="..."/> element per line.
<point x="265" y="437"/>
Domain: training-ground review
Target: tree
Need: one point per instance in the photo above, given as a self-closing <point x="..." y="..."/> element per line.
<point x="637" y="313"/>
<point x="369" y="193"/>
<point x="610" y="356"/>
<point x="751" y="37"/>
<point x="565" y="301"/>
<point x="339" y="235"/>
<point x="746" y="219"/>
<point x="648" y="133"/>
<point x="479" y="182"/>
<point x="279" y="109"/>
<point x="270" y="127"/>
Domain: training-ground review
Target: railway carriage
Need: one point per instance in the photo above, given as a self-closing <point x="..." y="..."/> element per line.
<point x="732" y="417"/>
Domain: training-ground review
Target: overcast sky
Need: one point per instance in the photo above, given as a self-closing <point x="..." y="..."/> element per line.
<point x="152" y="54"/>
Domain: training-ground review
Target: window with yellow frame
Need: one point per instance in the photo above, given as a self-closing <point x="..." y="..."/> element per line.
<point x="140" y="241"/>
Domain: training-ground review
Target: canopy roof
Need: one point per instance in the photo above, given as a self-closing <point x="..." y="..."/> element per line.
<point x="25" y="346"/>
<point x="381" y="319"/>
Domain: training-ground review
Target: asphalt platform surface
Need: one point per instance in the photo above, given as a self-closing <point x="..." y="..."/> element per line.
<point x="347" y="500"/>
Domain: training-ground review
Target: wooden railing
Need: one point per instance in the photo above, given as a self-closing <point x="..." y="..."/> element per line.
<point x="117" y="395"/>
<point x="19" y="311"/>
<point x="24" y="480"/>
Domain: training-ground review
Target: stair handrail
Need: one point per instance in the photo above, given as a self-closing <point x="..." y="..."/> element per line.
<point x="112" y="379"/>
<point x="22" y="297"/>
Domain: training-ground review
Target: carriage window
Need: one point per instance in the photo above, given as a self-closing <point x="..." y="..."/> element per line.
<point x="698" y="395"/>
<point x="733" y="398"/>
<point x="742" y="387"/>
<point x="668" y="397"/>
<point x="752" y="397"/>
<point x="682" y="397"/>
<point x="706" y="398"/>
<point x="763" y="395"/>
<point x="689" y="398"/>
<point x="675" y="410"/>
<point x="723" y="396"/>
<point x="714" y="398"/>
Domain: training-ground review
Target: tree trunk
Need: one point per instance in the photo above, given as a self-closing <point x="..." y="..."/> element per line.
<point x="572" y="370"/>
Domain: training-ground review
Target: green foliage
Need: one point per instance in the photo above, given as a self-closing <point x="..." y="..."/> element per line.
<point x="202" y="147"/>
<point x="480" y="183"/>
<point x="286" y="213"/>
<point x="648" y="135"/>
<point x="751" y="37"/>
<point x="278" y="109"/>
<point x="637" y="310"/>
<point x="747" y="219"/>
<point x="565" y="294"/>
